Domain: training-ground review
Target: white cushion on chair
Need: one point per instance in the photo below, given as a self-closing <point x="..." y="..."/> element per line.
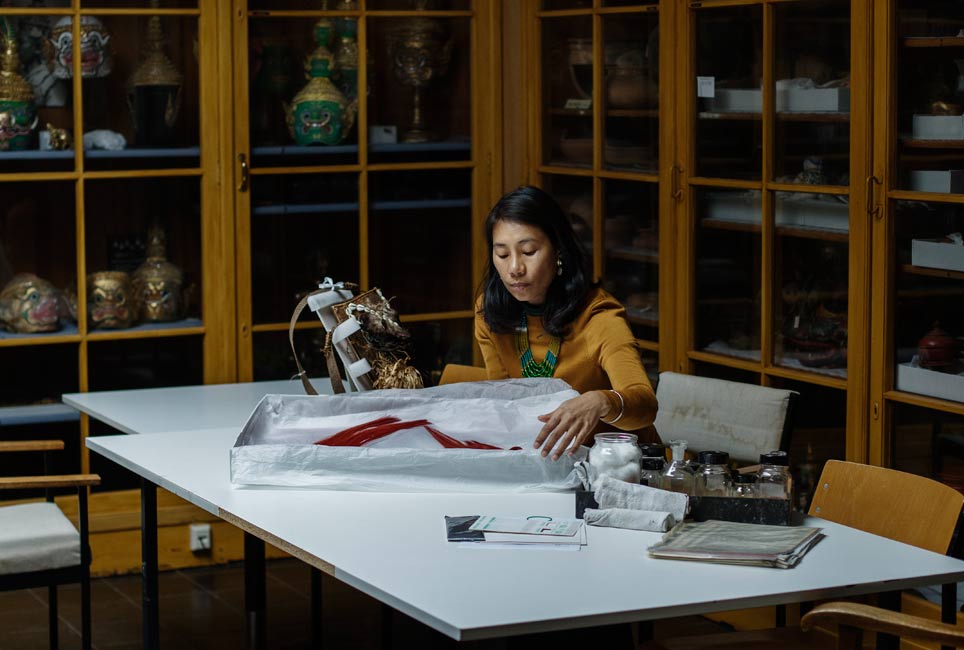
<point x="744" y="420"/>
<point x="35" y="537"/>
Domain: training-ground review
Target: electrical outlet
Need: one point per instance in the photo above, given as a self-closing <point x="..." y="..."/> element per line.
<point x="200" y="537"/>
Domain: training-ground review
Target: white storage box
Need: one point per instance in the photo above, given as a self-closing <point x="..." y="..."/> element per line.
<point x="936" y="254"/>
<point x="949" y="181"/>
<point x="943" y="385"/>
<point x="938" y="127"/>
<point x="806" y="211"/>
<point x="813" y="100"/>
<point x="736" y="100"/>
<point x="276" y="445"/>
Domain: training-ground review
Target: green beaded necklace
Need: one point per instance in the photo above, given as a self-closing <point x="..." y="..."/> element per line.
<point x="529" y="366"/>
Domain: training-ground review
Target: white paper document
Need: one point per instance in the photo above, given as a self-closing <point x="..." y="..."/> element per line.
<point x="533" y="525"/>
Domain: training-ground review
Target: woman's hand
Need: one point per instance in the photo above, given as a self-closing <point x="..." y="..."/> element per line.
<point x="571" y="424"/>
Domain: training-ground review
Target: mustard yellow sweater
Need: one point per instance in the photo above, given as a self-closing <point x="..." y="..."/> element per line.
<point x="598" y="353"/>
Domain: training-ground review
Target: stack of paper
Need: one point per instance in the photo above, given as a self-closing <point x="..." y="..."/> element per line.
<point x="732" y="543"/>
<point x="516" y="531"/>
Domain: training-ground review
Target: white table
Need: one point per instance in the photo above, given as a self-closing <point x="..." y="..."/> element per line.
<point x="183" y="408"/>
<point x="195" y="409"/>
<point x="392" y="547"/>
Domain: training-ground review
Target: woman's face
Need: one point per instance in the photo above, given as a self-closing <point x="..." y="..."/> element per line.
<point x="525" y="260"/>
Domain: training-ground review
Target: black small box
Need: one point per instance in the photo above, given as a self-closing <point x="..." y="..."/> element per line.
<point x="744" y="510"/>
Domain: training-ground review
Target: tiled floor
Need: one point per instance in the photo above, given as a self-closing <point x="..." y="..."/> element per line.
<point x="204" y="608"/>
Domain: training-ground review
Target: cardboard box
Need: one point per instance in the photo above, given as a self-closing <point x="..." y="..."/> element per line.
<point x="938" y="127"/>
<point x="736" y="100"/>
<point x="813" y="100"/>
<point x="932" y="383"/>
<point x="813" y="212"/>
<point x="800" y="211"/>
<point x="949" y="181"/>
<point x="936" y="254"/>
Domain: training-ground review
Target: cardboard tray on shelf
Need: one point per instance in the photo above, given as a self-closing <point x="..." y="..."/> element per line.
<point x="937" y="254"/>
<point x="942" y="385"/>
<point x="802" y="212"/>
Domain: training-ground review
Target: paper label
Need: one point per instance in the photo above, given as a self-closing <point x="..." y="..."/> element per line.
<point x="534" y="525"/>
<point x="706" y="87"/>
<point x="573" y="104"/>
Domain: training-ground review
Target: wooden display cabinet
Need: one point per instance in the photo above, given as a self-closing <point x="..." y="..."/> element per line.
<point x="917" y="396"/>
<point x="396" y="203"/>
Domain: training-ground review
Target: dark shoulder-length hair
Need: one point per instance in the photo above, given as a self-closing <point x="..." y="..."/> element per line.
<point x="531" y="206"/>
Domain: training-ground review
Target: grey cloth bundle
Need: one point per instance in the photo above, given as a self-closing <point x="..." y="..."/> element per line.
<point x="648" y="520"/>
<point x="612" y="493"/>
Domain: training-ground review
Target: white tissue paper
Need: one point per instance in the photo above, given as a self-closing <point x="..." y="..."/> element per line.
<point x="276" y="444"/>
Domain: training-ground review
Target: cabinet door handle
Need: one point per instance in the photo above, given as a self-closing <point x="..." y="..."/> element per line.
<point x="677" y="188"/>
<point x="872" y="209"/>
<point x="243" y="185"/>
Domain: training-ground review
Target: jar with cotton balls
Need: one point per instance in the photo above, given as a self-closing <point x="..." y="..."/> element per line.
<point x="615" y="455"/>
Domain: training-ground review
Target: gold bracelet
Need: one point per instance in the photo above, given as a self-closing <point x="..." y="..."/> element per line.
<point x="622" y="406"/>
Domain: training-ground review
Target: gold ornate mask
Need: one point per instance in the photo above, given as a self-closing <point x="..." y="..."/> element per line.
<point x="30" y="304"/>
<point x="157" y="283"/>
<point x="108" y="300"/>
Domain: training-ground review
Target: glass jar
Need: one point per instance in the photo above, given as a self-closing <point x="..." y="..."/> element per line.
<point x="713" y="479"/>
<point x="744" y="485"/>
<point x="775" y="481"/>
<point x="678" y="476"/>
<point x="615" y="455"/>
<point x="652" y="471"/>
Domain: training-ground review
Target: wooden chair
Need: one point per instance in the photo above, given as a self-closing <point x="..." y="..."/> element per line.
<point x="718" y="415"/>
<point x="454" y="373"/>
<point x="904" y="507"/>
<point x="39" y="546"/>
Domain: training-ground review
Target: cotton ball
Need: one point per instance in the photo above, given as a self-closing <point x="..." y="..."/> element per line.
<point x="618" y="461"/>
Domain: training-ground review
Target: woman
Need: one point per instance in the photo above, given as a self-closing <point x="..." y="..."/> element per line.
<point x="537" y="303"/>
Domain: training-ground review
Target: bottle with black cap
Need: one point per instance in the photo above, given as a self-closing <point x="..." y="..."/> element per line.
<point x="714" y="477"/>
<point x="774" y="481"/>
<point x="652" y="471"/>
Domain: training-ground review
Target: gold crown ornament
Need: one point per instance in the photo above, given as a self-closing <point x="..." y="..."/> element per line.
<point x="109" y="304"/>
<point x="18" y="114"/>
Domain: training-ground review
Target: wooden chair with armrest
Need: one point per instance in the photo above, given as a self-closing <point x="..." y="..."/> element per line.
<point x="39" y="546"/>
<point x="454" y="373"/>
<point x="900" y="506"/>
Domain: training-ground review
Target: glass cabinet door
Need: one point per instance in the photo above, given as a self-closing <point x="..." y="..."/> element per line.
<point x="110" y="231"/>
<point x="358" y="160"/>
<point x="599" y="148"/>
<point x="920" y="383"/>
<point x="773" y="231"/>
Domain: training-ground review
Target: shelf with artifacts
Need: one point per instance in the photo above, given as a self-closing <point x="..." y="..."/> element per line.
<point x="781" y="116"/>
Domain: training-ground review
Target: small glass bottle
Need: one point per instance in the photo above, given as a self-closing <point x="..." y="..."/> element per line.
<point x="775" y="481"/>
<point x="615" y="455"/>
<point x="713" y="479"/>
<point x="652" y="471"/>
<point x="678" y="476"/>
<point x="744" y="485"/>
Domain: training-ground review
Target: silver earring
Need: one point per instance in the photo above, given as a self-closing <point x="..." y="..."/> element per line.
<point x="558" y="266"/>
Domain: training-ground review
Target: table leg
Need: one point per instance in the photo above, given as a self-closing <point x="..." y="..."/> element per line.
<point x="150" y="627"/>
<point x="317" y="608"/>
<point x="254" y="591"/>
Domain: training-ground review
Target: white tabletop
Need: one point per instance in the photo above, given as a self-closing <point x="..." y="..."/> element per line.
<point x="182" y="408"/>
<point x="392" y="547"/>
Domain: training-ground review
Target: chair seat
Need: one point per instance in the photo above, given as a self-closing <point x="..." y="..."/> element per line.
<point x="36" y="537"/>
<point x="784" y="638"/>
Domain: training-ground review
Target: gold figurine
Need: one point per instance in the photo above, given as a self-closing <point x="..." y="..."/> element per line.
<point x="59" y="138"/>
<point x="29" y="304"/>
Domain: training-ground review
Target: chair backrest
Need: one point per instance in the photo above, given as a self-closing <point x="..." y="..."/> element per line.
<point x="744" y="420"/>
<point x="887" y="502"/>
<point x="454" y="373"/>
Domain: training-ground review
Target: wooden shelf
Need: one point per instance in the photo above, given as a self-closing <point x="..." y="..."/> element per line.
<point x="647" y="317"/>
<point x="924" y="401"/>
<point x="633" y="254"/>
<point x="801" y="232"/>
<point x="37" y="414"/>
<point x="103" y="154"/>
<point x="330" y="208"/>
<point x="932" y="144"/>
<point x="933" y="41"/>
<point x="783" y="116"/>
<point x="390" y="147"/>
<point x="936" y="273"/>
